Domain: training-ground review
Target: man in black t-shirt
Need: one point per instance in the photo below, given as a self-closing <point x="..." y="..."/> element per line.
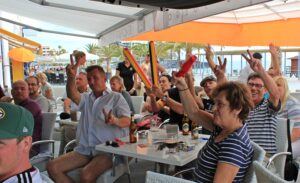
<point x="127" y="72"/>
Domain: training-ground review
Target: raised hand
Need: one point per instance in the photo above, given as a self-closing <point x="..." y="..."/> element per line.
<point x="109" y="117"/>
<point x="274" y="50"/>
<point x="179" y="82"/>
<point x="149" y="92"/>
<point x="157" y="92"/>
<point x="254" y="63"/>
<point x="209" y="55"/>
<point x="72" y="68"/>
<point x="220" y="69"/>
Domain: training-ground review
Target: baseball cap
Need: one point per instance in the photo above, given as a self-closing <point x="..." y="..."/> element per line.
<point x="15" y="121"/>
<point x="208" y="78"/>
<point x="257" y="55"/>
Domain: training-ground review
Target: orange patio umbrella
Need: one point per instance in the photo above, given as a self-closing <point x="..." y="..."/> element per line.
<point x="19" y="56"/>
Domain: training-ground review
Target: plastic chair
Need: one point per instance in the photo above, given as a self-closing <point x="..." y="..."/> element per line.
<point x="152" y="177"/>
<point x="282" y="144"/>
<point x="137" y="102"/>
<point x="258" y="156"/>
<point x="108" y="176"/>
<point x="46" y="143"/>
<point x="264" y="175"/>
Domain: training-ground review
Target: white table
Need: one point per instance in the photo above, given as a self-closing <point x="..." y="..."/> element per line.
<point x="152" y="154"/>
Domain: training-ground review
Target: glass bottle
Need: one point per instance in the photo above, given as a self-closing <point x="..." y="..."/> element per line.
<point x="132" y="131"/>
<point x="194" y="131"/>
<point x="185" y="124"/>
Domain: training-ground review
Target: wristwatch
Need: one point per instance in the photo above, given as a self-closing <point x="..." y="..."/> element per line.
<point x="164" y="98"/>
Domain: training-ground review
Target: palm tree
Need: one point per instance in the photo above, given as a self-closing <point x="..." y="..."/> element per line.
<point x="112" y="50"/>
<point x="163" y="49"/>
<point x="92" y="48"/>
<point x="140" y="50"/>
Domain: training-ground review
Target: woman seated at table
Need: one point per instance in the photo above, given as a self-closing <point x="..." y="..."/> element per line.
<point x="117" y="85"/>
<point x="164" y="111"/>
<point x="228" y="153"/>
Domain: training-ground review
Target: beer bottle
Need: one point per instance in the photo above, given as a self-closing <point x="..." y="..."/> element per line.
<point x="194" y="131"/>
<point x="185" y="124"/>
<point x="132" y="131"/>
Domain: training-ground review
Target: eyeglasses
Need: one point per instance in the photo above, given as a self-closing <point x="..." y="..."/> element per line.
<point x="258" y="86"/>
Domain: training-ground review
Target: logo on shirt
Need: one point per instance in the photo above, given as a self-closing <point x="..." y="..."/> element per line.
<point x="25" y="130"/>
<point x="2" y="113"/>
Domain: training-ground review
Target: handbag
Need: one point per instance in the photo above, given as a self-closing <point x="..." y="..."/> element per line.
<point x="291" y="167"/>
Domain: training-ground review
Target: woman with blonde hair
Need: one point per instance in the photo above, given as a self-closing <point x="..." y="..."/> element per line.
<point x="46" y="88"/>
<point x="117" y="85"/>
<point x="290" y="108"/>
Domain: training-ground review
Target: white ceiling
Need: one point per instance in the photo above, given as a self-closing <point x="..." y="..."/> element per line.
<point x="113" y="23"/>
<point x="269" y="11"/>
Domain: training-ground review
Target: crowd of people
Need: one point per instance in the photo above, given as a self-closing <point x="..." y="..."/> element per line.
<point x="233" y="113"/>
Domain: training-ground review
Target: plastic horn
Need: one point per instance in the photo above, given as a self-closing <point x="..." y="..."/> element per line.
<point x="153" y="63"/>
<point x="137" y="68"/>
<point x="186" y="66"/>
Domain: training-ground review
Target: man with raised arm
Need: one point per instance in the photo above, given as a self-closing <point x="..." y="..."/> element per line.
<point x="262" y="120"/>
<point x="105" y="115"/>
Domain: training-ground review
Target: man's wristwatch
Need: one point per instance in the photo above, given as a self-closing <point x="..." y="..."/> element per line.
<point x="164" y="98"/>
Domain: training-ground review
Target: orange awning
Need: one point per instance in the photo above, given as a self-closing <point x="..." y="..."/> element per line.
<point x="280" y="32"/>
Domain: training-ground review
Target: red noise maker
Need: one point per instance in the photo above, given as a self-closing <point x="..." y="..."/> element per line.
<point x="186" y="66"/>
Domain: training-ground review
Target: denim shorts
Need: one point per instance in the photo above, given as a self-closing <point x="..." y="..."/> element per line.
<point x="90" y="152"/>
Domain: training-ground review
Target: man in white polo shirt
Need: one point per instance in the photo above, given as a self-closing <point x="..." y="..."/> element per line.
<point x="105" y="115"/>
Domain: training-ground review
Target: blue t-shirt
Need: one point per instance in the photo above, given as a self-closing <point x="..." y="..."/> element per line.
<point x="236" y="150"/>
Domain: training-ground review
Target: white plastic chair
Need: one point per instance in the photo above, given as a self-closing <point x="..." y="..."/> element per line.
<point x="282" y="145"/>
<point x="258" y="156"/>
<point x="46" y="143"/>
<point x="264" y="175"/>
<point x="137" y="102"/>
<point x="152" y="177"/>
<point x="108" y="176"/>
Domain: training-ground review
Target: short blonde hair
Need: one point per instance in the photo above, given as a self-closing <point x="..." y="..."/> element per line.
<point x="42" y="76"/>
<point x="120" y="80"/>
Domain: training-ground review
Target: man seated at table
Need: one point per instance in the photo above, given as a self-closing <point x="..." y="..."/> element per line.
<point x="20" y="94"/>
<point x="105" y="115"/>
<point x="16" y="127"/>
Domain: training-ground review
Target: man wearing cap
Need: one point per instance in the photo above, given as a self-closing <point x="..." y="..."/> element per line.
<point x="20" y="94"/>
<point x="209" y="83"/>
<point x="16" y="128"/>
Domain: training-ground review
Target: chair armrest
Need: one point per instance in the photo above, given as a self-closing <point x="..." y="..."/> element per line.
<point x="275" y="156"/>
<point x="163" y="123"/>
<point x="68" y="145"/>
<point x="183" y="171"/>
<point x="43" y="142"/>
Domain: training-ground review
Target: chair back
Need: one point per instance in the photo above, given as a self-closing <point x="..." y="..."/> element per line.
<point x="137" y="102"/>
<point x="152" y="177"/>
<point x="281" y="144"/>
<point x="264" y="175"/>
<point x="49" y="119"/>
<point x="258" y="156"/>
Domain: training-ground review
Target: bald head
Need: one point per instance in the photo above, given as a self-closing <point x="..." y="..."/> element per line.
<point x="20" y="91"/>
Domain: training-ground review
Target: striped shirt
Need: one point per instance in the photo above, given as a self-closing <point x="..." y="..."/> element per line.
<point x="31" y="175"/>
<point x="235" y="149"/>
<point x="262" y="125"/>
<point x="291" y="111"/>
